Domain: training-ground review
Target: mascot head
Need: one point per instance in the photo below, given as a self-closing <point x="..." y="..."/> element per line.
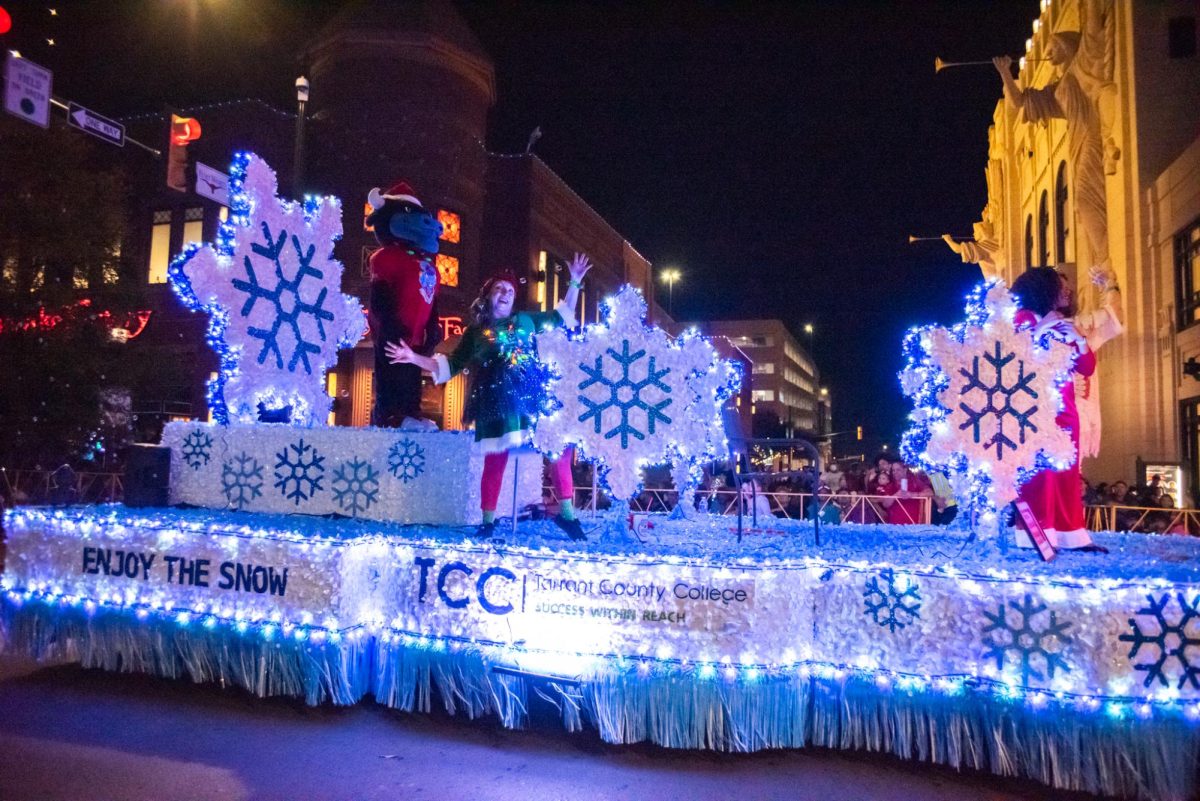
<point x="398" y="218"/>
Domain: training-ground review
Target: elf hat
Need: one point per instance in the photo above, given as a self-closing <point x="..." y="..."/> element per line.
<point x="400" y="191"/>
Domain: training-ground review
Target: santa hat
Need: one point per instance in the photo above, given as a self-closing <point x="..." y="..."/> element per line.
<point x="401" y="191"/>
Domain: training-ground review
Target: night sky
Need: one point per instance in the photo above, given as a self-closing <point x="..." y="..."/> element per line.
<point x="778" y="154"/>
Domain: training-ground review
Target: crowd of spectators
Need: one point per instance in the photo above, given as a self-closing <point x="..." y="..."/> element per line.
<point x="1145" y="508"/>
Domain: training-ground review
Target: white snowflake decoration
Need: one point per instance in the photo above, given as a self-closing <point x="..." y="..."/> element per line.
<point x="273" y="290"/>
<point x="986" y="399"/>
<point x="632" y="396"/>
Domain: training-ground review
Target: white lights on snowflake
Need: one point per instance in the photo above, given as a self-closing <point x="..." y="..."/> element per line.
<point x="986" y="398"/>
<point x="273" y="292"/>
<point x="632" y="396"/>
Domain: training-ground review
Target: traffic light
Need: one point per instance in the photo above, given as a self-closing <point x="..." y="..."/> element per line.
<point x="183" y="131"/>
<point x="860" y="433"/>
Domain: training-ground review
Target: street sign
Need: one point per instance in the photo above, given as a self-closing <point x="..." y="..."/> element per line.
<point x="27" y="90"/>
<point x="98" y="126"/>
<point x="212" y="184"/>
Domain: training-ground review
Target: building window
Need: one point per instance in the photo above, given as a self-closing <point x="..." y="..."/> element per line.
<point x="1028" y="241"/>
<point x="763" y="395"/>
<point x="1044" y="229"/>
<point x="1189" y="418"/>
<point x="447" y="267"/>
<point x="451" y="226"/>
<point x="1187" y="274"/>
<point x="193" y="225"/>
<point x="1181" y="37"/>
<point x="160" y="247"/>
<point x="1060" y="214"/>
<point x="764" y="368"/>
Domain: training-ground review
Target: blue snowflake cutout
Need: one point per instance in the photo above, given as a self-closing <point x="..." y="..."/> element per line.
<point x="1025" y="640"/>
<point x="272" y="290"/>
<point x="196" y="449"/>
<point x="286" y="298"/>
<point x="406" y="460"/>
<point x="1170" y="640"/>
<point x="625" y="394"/>
<point x="355" y="486"/>
<point x="298" y="476"/>
<point x="989" y="409"/>
<point x="241" y="480"/>
<point x="892" y="601"/>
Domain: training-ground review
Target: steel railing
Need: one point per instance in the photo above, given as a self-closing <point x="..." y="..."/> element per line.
<point x="45" y="486"/>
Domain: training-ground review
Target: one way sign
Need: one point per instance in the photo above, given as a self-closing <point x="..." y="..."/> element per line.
<point x="99" y="127"/>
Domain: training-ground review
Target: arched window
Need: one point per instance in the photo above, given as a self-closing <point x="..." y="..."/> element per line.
<point x="1044" y="230"/>
<point x="1028" y="241"/>
<point x="1060" y="214"/>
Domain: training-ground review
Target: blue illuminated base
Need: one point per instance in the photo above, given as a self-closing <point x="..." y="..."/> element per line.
<point x="1083" y="673"/>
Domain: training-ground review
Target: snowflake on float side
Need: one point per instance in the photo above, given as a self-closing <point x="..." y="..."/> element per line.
<point x="299" y="471"/>
<point x="985" y="399"/>
<point x="196" y="449"/>
<point x="406" y="460"/>
<point x="241" y="480"/>
<point x="273" y="292"/>
<point x="1169" y="640"/>
<point x="355" y="486"/>
<point x="1029" y="644"/>
<point x="631" y="396"/>
<point x="891" y="600"/>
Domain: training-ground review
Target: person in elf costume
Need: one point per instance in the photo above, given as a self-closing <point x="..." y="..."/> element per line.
<point x="508" y="383"/>
<point x="404" y="284"/>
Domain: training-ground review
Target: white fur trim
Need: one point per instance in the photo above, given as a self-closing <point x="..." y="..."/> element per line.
<point x="375" y="199"/>
<point x="567" y="313"/>
<point x="442" y="374"/>
<point x="506" y="442"/>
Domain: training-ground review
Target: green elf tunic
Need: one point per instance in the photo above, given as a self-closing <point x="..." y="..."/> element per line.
<point x="508" y="383"/>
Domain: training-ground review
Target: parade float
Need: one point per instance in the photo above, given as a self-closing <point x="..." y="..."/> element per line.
<point x="337" y="564"/>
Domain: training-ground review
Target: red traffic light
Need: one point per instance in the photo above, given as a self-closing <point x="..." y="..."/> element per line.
<point x="5" y="21"/>
<point x="184" y="130"/>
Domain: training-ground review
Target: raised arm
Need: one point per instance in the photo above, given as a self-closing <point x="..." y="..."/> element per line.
<point x="1012" y="91"/>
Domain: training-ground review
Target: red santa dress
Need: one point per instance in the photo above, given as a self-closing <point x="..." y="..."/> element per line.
<point x="1054" y="496"/>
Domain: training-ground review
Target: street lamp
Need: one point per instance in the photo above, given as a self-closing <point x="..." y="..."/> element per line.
<point x="298" y="153"/>
<point x="671" y="275"/>
<point x="808" y="329"/>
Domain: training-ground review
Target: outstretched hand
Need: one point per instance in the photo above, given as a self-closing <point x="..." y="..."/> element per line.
<point x="1003" y="65"/>
<point x="579" y="267"/>
<point x="398" y="352"/>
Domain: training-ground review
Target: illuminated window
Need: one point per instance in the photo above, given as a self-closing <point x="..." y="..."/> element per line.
<point x="9" y="273"/>
<point x="80" y="279"/>
<point x="160" y="247"/>
<point x="110" y="274"/>
<point x="193" y="226"/>
<point x="447" y="267"/>
<point x="451" y="226"/>
<point x="767" y="368"/>
<point x="763" y="395"/>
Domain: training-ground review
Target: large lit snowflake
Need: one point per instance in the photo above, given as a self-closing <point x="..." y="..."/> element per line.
<point x="197" y="449"/>
<point x="299" y="471"/>
<point x="241" y="480"/>
<point x="631" y="396"/>
<point x="1037" y="650"/>
<point x="892" y="600"/>
<point x="273" y="290"/>
<point x="986" y="397"/>
<point x="355" y="486"/>
<point x="406" y="460"/>
<point x="1168" y="640"/>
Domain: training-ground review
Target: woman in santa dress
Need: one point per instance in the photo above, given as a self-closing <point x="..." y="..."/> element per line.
<point x="1053" y="495"/>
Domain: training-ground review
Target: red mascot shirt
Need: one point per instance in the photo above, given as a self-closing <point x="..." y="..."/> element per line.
<point x="403" y="290"/>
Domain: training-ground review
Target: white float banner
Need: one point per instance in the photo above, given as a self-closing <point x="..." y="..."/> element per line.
<point x="547" y="610"/>
<point x="367" y="473"/>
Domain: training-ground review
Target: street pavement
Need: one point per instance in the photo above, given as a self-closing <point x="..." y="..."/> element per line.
<point x="68" y="734"/>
